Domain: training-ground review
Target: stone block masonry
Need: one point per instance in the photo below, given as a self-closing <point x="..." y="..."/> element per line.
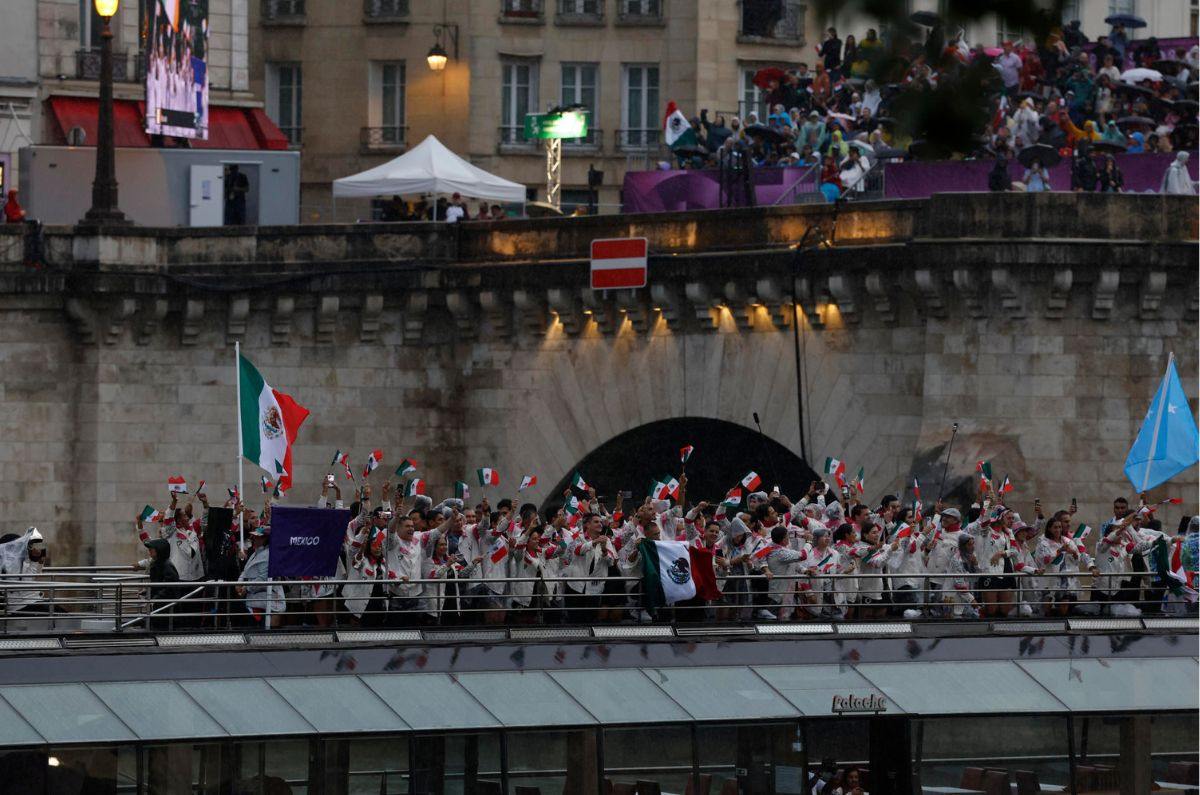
<point x="479" y="345"/>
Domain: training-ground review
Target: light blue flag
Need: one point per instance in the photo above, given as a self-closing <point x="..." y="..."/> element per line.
<point x="1168" y="442"/>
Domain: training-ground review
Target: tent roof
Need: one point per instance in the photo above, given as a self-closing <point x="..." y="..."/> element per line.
<point x="429" y="167"/>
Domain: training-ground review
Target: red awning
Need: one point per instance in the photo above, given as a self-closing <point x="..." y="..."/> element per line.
<point x="228" y="127"/>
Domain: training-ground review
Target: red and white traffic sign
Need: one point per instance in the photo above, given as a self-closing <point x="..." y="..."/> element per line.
<point x="619" y="263"/>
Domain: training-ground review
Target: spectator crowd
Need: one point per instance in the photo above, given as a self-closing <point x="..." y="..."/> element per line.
<point x="861" y="102"/>
<point x="824" y="556"/>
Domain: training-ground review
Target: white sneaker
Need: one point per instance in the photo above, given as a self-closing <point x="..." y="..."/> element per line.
<point x="912" y="614"/>
<point x="765" y="615"/>
<point x="644" y="617"/>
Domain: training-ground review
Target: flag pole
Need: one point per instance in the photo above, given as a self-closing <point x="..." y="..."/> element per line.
<point x="1158" y="416"/>
<point x="237" y="379"/>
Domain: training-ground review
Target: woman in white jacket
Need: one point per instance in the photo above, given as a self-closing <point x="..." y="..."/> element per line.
<point x="1058" y="559"/>
<point x="962" y="568"/>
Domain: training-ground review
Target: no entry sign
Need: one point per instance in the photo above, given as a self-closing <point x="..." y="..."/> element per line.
<point x="619" y="263"/>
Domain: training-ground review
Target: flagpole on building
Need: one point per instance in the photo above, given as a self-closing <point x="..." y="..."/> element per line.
<point x="1158" y="417"/>
<point x="237" y="379"/>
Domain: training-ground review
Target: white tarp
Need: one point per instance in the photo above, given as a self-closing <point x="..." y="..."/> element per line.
<point x="429" y="168"/>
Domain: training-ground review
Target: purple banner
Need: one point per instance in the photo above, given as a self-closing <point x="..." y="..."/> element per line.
<point x="700" y="189"/>
<point x="305" y="542"/>
<point x="921" y="179"/>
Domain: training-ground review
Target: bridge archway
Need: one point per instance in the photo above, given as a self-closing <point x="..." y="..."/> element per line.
<point x="724" y="453"/>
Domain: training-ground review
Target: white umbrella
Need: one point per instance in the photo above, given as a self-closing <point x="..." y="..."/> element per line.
<point x="1140" y="74"/>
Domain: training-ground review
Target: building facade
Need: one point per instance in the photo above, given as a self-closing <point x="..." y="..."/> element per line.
<point x="351" y="87"/>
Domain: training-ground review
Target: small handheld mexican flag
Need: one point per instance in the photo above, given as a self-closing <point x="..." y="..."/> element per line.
<point x="685" y="453"/>
<point x="571" y="506"/>
<point x="527" y="481"/>
<point x="406" y="468"/>
<point x="859" y="482"/>
<point x="1006" y="486"/>
<point x="733" y="498"/>
<point x="1081" y="533"/>
<point x="462" y="491"/>
<point x="414" y="487"/>
<point x="373" y="461"/>
<point x="150" y="514"/>
<point x="838" y="470"/>
<point x="984" y="468"/>
<point x="266" y="484"/>
<point x="658" y="490"/>
<point x="177" y="485"/>
<point x="488" y="476"/>
<point x="751" y="482"/>
<point x="343" y="460"/>
<point x="577" y="482"/>
<point x="672" y="486"/>
<point x="917" y="505"/>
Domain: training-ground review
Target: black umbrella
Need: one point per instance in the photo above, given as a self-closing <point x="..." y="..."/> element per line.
<point x="763" y="131"/>
<point x="1130" y="88"/>
<point x="1039" y="153"/>
<point x="1185" y="106"/>
<point x="1135" y="121"/>
<point x="1111" y="147"/>
<point x="1128" y="20"/>
<point x="929" y="19"/>
<point x="889" y="153"/>
<point x="1167" y="66"/>
<point x="690" y="151"/>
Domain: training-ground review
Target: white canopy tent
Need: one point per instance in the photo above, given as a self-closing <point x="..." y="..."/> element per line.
<point x="429" y="168"/>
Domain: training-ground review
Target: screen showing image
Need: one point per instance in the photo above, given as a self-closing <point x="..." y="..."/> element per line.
<point x="176" y="34"/>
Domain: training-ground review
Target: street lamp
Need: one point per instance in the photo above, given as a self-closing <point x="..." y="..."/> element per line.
<point x="104" y="210"/>
<point x="438" y="56"/>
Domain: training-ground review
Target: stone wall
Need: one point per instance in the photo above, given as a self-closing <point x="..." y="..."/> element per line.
<point x="471" y="346"/>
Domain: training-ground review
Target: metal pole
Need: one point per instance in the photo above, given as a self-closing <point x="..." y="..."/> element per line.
<point x="554" y="172"/>
<point x="942" y="488"/>
<point x="104" y="187"/>
<point x="237" y="379"/>
<point x="796" y="261"/>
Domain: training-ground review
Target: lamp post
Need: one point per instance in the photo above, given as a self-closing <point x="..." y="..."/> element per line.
<point x="437" y="56"/>
<point x="104" y="210"/>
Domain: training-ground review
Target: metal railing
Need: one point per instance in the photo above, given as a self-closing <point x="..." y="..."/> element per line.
<point x="387" y="137"/>
<point x="283" y="11"/>
<point x="514" y="135"/>
<point x="385" y="9"/>
<point x="638" y="139"/>
<point x="520" y="10"/>
<point x="640" y="11"/>
<point x="592" y="140"/>
<point x="805" y="190"/>
<point x="117" y="602"/>
<point x="87" y="65"/>
<point x="759" y="25"/>
<point x="579" y="11"/>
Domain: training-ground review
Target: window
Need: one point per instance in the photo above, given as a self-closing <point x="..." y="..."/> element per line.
<point x="385" y="9"/>
<point x="386" y="110"/>
<point x="1006" y="31"/>
<point x="641" y="109"/>
<point x="518" y="96"/>
<point x="1070" y="11"/>
<point x="90" y="25"/>
<point x="529" y="9"/>
<point x="641" y="9"/>
<point x="581" y="8"/>
<point x="579" y="88"/>
<point x="1122" y="7"/>
<point x="752" y="96"/>
<point x="283" y="96"/>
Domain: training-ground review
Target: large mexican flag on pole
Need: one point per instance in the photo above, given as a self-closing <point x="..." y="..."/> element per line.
<point x="270" y="421"/>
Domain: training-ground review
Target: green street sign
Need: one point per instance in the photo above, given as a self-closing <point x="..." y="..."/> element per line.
<point x="568" y="124"/>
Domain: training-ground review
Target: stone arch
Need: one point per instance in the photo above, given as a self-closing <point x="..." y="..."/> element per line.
<point x="724" y="453"/>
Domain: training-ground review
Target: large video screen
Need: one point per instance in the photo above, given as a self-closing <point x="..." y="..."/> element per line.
<point x="176" y="34"/>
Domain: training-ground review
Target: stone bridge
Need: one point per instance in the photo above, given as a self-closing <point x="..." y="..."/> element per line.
<point x="1040" y="323"/>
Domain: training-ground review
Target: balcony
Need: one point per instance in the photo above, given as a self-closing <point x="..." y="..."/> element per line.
<point x="512" y="139"/>
<point x="771" y="22"/>
<point x="283" y="12"/>
<point x="521" y="12"/>
<point x="640" y="12"/>
<point x="383" y="139"/>
<point x="638" y="140"/>
<point x="87" y="66"/>
<point x="582" y="13"/>
<point x="588" y="144"/>
<point x="385" y="12"/>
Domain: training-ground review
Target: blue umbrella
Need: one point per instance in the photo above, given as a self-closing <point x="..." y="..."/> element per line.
<point x="1128" y="20"/>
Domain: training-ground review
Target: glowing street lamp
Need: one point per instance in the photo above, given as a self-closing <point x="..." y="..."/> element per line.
<point x="104" y="210"/>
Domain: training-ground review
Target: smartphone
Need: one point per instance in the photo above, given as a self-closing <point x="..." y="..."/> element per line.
<point x="1073" y="503"/>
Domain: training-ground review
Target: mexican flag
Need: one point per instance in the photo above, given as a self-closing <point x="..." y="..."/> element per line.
<point x="672" y="486"/>
<point x="406" y="468"/>
<point x="177" y="485"/>
<point x="1081" y="533"/>
<point x="373" y="461"/>
<point x="677" y="130"/>
<point x="860" y="484"/>
<point x="984" y="468"/>
<point x="751" y="482"/>
<point x="733" y="498"/>
<point x="837" y="469"/>
<point x="527" y="481"/>
<point x="488" y="476"/>
<point x="685" y="453"/>
<point x="151" y="515"/>
<point x="673" y="571"/>
<point x="270" y="421"/>
<point x="344" y="459"/>
<point x="578" y="482"/>
<point x="414" y="487"/>
<point x="462" y="491"/>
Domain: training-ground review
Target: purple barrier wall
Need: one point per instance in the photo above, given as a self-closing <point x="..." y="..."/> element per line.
<point x="919" y="180"/>
<point x="668" y="191"/>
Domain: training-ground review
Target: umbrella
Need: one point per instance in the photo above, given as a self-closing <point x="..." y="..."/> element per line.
<point x="763" y="131"/>
<point x="1169" y="67"/>
<point x="863" y="147"/>
<point x="1128" y="20"/>
<point x="1041" y="153"/>
<point x="1135" y="121"/>
<point x="1130" y="88"/>
<point x="542" y="210"/>
<point x="1185" y="106"/>
<point x="1108" y="146"/>
<point x="889" y="153"/>
<point x="764" y="76"/>
<point x="1140" y="74"/>
<point x="929" y="19"/>
<point x="690" y="151"/>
